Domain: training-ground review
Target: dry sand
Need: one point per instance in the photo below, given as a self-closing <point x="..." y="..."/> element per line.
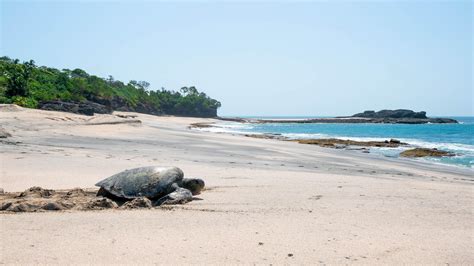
<point x="267" y="202"/>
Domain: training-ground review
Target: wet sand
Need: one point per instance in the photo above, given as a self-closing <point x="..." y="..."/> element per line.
<point x="267" y="201"/>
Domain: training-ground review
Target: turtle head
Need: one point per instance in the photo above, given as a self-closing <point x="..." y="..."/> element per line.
<point x="195" y="185"/>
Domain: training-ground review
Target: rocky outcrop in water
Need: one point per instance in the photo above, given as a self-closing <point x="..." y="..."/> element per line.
<point x="424" y="152"/>
<point x="266" y="136"/>
<point x="399" y="113"/>
<point x="344" y="143"/>
<point x="400" y="116"/>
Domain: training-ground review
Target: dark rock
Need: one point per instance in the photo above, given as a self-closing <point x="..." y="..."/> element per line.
<point x="400" y="116"/>
<point x="201" y="125"/>
<point x="119" y="104"/>
<point x="442" y="121"/>
<point x="424" y="152"/>
<point x="395" y="141"/>
<point x="400" y="113"/>
<point x="85" y="108"/>
<point x="340" y="146"/>
<point x="343" y="143"/>
<point x="266" y="136"/>
<point x="126" y="116"/>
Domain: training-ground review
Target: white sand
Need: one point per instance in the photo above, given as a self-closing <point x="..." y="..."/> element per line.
<point x="266" y="199"/>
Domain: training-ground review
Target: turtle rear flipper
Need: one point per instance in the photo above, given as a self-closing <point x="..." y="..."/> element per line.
<point x="179" y="196"/>
<point x="104" y="193"/>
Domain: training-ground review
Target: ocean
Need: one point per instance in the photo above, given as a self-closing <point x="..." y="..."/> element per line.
<point x="457" y="138"/>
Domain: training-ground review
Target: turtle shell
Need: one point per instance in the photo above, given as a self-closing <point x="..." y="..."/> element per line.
<point x="151" y="182"/>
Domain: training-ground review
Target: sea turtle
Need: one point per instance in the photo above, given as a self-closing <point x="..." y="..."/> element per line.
<point x="163" y="185"/>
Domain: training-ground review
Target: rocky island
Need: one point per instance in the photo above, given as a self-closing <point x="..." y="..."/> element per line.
<point x="399" y="116"/>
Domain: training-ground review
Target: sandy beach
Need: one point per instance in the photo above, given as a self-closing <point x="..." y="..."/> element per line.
<point x="267" y="201"/>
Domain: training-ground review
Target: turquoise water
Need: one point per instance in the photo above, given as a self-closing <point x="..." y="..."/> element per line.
<point x="457" y="138"/>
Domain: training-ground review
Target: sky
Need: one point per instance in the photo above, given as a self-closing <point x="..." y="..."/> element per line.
<point x="262" y="58"/>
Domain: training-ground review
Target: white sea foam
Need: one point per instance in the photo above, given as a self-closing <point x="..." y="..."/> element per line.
<point x="441" y="145"/>
<point x="224" y="130"/>
<point x="413" y="142"/>
<point x="305" y="136"/>
<point x="233" y="125"/>
<point x="228" y="127"/>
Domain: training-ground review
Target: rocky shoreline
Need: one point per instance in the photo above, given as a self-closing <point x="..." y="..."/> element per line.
<point x="399" y="116"/>
<point x="424" y="152"/>
<point x="347" y="144"/>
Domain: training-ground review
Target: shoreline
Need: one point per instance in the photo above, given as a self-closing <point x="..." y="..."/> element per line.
<point x="265" y="199"/>
<point x="344" y="120"/>
<point x="363" y="144"/>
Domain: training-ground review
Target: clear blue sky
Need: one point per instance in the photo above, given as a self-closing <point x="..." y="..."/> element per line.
<point x="271" y="58"/>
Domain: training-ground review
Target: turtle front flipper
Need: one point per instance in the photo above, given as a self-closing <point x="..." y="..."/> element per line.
<point x="179" y="196"/>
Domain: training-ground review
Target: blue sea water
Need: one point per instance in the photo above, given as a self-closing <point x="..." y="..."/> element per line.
<point x="457" y="138"/>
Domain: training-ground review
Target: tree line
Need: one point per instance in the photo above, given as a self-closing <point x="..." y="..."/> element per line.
<point x="30" y="86"/>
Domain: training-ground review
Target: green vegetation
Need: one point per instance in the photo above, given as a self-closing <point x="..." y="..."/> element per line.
<point x="31" y="86"/>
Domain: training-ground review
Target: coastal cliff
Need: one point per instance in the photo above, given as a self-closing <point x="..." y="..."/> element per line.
<point x="76" y="91"/>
